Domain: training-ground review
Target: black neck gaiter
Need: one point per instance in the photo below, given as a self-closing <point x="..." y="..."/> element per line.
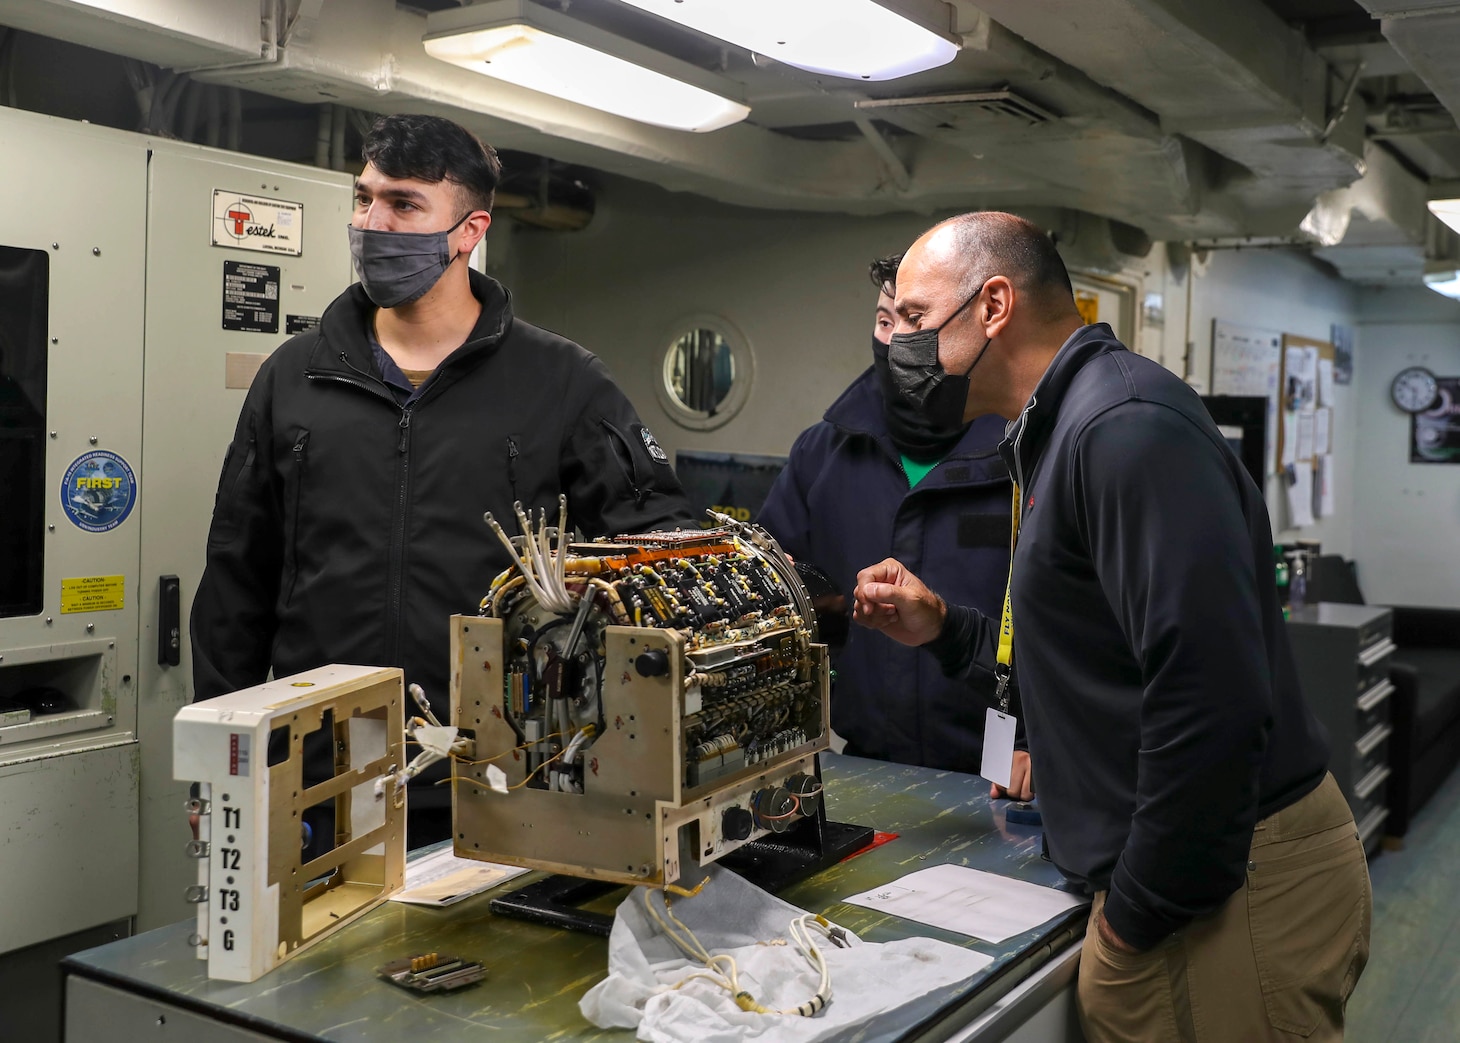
<point x="914" y="434"/>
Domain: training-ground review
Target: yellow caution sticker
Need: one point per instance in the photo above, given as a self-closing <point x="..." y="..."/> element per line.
<point x="91" y="594"/>
<point x="1088" y="305"/>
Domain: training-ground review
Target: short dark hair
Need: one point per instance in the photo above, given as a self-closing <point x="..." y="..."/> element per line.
<point x="991" y="242"/>
<point x="430" y="148"/>
<point x="884" y="273"/>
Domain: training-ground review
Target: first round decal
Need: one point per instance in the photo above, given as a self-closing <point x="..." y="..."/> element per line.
<point x="98" y="491"/>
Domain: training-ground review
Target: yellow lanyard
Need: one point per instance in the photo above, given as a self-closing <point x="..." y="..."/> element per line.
<point x="1006" y="626"/>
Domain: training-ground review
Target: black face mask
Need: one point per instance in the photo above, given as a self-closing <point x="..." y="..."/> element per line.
<point x="913" y="434"/>
<point x="398" y="268"/>
<point x="920" y="380"/>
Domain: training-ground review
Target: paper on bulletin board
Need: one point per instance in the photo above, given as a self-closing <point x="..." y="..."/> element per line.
<point x="1325" y="382"/>
<point x="1246" y="361"/>
<point x="1290" y="439"/>
<point x="1322" y="422"/>
<point x="1300" y="380"/>
<point x="1323" y="492"/>
<point x="1300" y="494"/>
<point x="1304" y="449"/>
<point x="1299" y="393"/>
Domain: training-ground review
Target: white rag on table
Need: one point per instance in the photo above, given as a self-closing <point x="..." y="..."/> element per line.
<point x="870" y="982"/>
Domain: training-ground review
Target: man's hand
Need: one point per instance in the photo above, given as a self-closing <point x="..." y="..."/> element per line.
<point x="891" y="599"/>
<point x="1110" y="938"/>
<point x="1021" y="780"/>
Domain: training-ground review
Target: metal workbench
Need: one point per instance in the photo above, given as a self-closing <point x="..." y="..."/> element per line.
<point x="152" y="987"/>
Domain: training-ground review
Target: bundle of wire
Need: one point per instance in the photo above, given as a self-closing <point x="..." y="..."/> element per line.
<point x="722" y="970"/>
<point x="543" y="570"/>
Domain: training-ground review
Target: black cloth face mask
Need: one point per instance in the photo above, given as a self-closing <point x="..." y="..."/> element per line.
<point x="914" y="434"/>
<point x="397" y="268"/>
<point x="921" y="382"/>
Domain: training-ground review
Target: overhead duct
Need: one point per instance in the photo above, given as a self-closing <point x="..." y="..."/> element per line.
<point x="1388" y="236"/>
<point x="949" y="110"/>
<point x="171" y="33"/>
<point x="1232" y="76"/>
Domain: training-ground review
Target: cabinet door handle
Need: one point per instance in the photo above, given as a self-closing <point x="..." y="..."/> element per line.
<point x="1370" y="782"/>
<point x="169" y="621"/>
<point x="1374" y="653"/>
<point x="1376" y="695"/>
<point x="1373" y="738"/>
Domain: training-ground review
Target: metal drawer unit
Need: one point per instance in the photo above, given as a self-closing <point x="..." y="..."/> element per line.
<point x="1342" y="654"/>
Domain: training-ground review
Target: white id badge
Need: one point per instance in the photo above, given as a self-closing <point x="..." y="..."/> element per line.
<point x="998" y="747"/>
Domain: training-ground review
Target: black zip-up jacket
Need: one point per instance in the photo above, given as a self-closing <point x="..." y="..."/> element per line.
<point x="348" y="528"/>
<point x="842" y="502"/>
<point x="1163" y="709"/>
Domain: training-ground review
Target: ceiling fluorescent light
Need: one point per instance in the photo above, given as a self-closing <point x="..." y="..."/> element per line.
<point x="1447" y="282"/>
<point x="545" y="51"/>
<point x="856" y="39"/>
<point x="1448" y="211"/>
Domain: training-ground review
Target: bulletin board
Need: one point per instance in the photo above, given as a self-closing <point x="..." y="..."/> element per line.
<point x="1305" y="430"/>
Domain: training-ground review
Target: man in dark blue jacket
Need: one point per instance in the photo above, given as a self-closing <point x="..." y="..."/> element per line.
<point x="1182" y="777"/>
<point x="877" y="477"/>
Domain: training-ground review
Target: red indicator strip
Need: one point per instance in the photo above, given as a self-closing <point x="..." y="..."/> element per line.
<point x="878" y="839"/>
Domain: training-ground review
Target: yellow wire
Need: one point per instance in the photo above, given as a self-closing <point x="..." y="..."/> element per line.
<point x="453" y="779"/>
<point x="499" y="756"/>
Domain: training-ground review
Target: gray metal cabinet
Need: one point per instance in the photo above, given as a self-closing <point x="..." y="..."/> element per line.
<point x="1342" y="654"/>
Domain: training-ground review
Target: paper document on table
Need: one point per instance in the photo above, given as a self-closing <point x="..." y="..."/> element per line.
<point x="969" y="901"/>
<point x="444" y="879"/>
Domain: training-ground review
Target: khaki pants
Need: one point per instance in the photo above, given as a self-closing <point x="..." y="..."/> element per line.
<point x="1277" y="962"/>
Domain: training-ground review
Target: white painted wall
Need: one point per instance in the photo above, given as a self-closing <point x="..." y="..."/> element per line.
<point x="1406" y="516"/>
<point x="1289" y="292"/>
<point x="795" y="285"/>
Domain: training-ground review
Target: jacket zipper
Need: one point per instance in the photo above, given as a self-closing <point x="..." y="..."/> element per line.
<point x="398" y="538"/>
<point x="395" y="553"/>
<point x="301" y="446"/>
<point x="1019" y="463"/>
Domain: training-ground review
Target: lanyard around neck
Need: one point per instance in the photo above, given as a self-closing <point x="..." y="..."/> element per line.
<point x="1005" y="663"/>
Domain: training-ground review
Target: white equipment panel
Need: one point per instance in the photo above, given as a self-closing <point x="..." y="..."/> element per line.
<point x="258" y="902"/>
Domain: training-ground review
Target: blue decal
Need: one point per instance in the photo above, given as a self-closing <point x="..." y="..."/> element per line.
<point x="98" y="491"/>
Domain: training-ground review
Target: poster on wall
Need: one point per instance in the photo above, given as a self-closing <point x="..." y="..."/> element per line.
<point x="728" y="483"/>
<point x="1343" y="353"/>
<point x="1434" y="435"/>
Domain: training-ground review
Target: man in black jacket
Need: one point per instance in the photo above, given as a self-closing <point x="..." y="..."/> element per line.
<point x="1183" y="779"/>
<point x="874" y="477"/>
<point x="348" y="524"/>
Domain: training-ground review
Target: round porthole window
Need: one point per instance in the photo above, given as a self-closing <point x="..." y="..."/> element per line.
<point x="706" y="374"/>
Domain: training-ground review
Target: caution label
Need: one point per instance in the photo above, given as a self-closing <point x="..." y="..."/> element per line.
<point x="1088" y="305"/>
<point x="91" y="594"/>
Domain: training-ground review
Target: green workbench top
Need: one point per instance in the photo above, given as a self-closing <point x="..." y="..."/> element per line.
<point x="536" y="974"/>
